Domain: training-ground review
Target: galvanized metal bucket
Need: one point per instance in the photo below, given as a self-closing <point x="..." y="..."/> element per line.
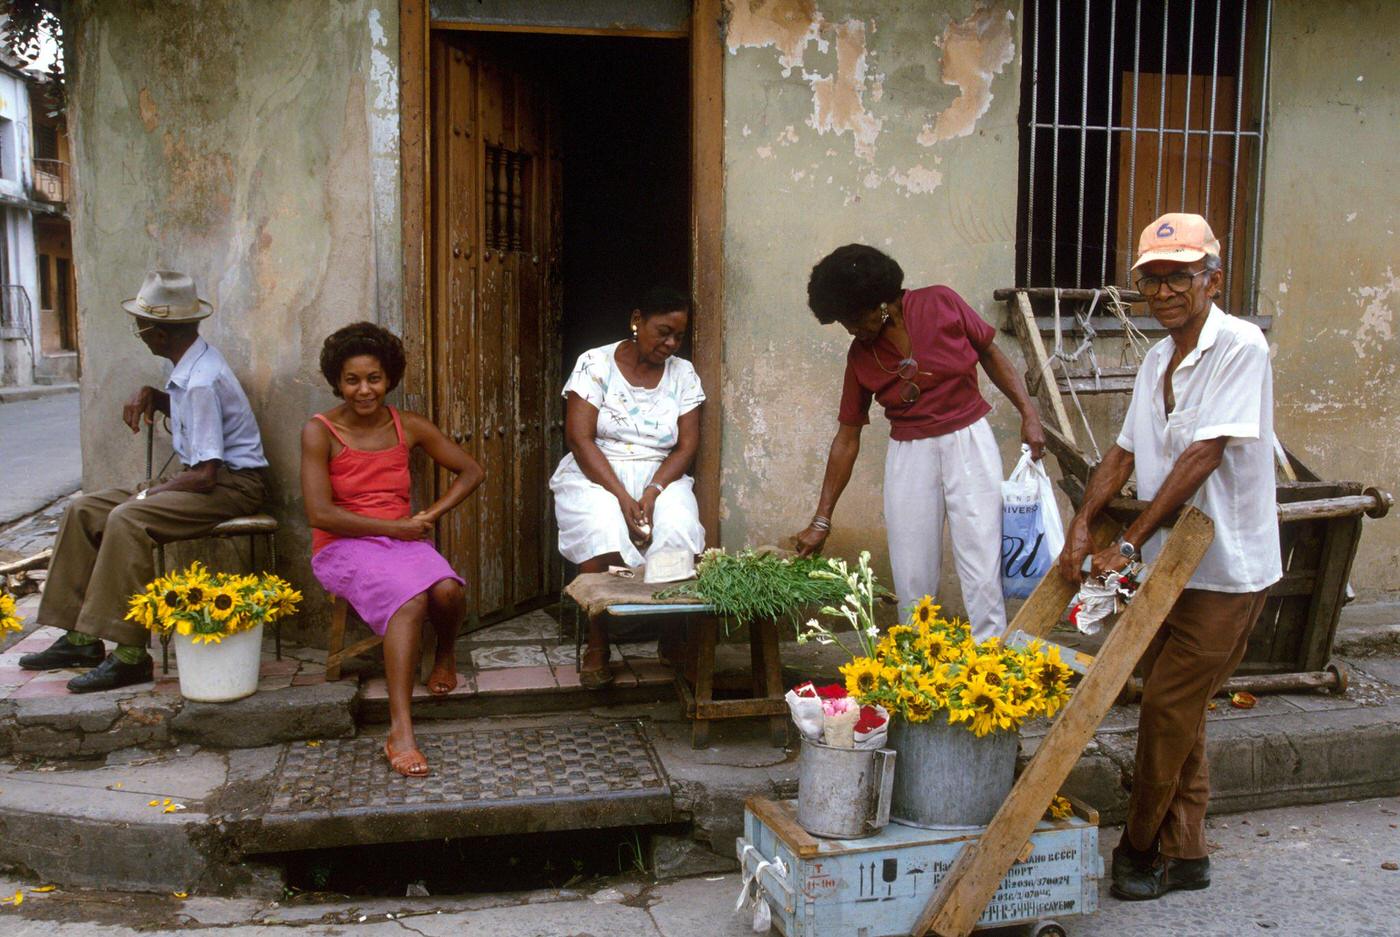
<point x="948" y="777"/>
<point x="844" y="793"/>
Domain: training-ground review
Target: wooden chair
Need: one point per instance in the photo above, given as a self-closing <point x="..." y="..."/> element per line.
<point x="252" y="526"/>
<point x="337" y="653"/>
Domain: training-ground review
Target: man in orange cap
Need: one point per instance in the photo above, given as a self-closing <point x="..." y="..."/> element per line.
<point x="1199" y="431"/>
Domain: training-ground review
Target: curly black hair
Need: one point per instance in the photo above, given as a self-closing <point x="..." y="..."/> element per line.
<point x="851" y="280"/>
<point x="362" y="338"/>
<point x="661" y="299"/>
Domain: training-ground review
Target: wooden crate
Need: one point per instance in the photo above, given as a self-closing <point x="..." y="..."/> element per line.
<point x="877" y="887"/>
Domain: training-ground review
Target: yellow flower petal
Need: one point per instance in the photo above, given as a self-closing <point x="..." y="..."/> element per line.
<point x="153" y="803"/>
<point x="180" y="894"/>
<point x="42" y="889"/>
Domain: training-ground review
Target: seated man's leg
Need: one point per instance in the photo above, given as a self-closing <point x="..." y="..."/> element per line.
<point x="124" y="566"/>
<point x="75" y="554"/>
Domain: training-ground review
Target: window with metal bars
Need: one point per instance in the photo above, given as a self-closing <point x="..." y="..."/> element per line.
<point x="507" y="177"/>
<point x="1134" y="108"/>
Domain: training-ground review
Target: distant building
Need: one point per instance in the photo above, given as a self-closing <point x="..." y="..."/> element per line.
<point x="38" y="309"/>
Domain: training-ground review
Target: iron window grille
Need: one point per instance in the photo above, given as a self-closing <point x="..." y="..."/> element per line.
<point x="1131" y="109"/>
<point x="507" y="220"/>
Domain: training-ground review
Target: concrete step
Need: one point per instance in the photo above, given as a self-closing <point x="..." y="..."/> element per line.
<point x="85" y="824"/>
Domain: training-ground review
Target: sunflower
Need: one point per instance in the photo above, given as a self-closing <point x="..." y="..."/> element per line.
<point x="924" y="614"/>
<point x="985" y="707"/>
<point x="141" y="609"/>
<point x="918" y="708"/>
<point x="1059" y="809"/>
<point x="935" y="645"/>
<point x="989" y="666"/>
<point x="9" y="618"/>
<point x="223" y="602"/>
<point x="862" y="676"/>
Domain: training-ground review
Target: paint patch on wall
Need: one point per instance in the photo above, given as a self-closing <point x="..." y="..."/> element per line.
<point x="786" y="25"/>
<point x="150" y="117"/>
<point x="1377" y="316"/>
<point x="974" y="51"/>
<point x="838" y="101"/>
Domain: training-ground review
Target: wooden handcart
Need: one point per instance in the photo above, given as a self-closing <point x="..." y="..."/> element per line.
<point x="1319" y="521"/>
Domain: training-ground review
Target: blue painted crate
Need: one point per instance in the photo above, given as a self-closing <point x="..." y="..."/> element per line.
<point x="878" y="886"/>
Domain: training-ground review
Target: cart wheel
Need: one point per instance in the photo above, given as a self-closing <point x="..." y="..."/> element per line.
<point x="1049" y="929"/>
<point x="1343" y="673"/>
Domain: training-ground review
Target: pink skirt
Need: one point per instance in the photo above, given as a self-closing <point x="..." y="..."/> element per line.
<point x="377" y="575"/>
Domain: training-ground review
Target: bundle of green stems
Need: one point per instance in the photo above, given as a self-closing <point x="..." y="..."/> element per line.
<point x="754" y="586"/>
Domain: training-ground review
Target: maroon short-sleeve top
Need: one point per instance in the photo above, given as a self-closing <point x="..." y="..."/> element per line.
<point x="946" y="339"/>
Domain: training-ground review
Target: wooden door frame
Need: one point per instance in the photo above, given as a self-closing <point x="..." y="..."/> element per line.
<point x="706" y="218"/>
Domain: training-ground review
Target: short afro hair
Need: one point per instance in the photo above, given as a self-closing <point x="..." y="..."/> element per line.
<point x="362" y="338"/>
<point x="661" y="299"/>
<point x="850" y="280"/>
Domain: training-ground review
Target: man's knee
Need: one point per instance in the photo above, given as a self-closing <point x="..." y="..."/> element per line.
<point x="126" y="519"/>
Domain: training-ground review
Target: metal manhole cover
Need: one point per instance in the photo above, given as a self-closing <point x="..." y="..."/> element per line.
<point x="484" y="783"/>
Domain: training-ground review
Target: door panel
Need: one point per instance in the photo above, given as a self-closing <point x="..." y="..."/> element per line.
<point x="494" y="194"/>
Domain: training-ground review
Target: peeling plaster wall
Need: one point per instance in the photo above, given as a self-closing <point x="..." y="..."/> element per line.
<point x="1330" y="265"/>
<point x="877" y="121"/>
<point x="254" y="145"/>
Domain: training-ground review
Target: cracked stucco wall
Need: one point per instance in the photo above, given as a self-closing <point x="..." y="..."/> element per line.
<point x="253" y="145"/>
<point x="852" y="120"/>
<point x="1330" y="254"/>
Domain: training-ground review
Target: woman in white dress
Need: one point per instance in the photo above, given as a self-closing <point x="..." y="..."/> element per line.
<point x="632" y="423"/>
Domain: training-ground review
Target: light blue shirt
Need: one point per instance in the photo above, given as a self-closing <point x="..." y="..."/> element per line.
<point x="209" y="414"/>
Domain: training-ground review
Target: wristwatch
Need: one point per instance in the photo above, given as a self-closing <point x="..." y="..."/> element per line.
<point x="1127" y="550"/>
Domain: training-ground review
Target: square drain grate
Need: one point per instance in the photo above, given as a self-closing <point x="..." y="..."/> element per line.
<point x="483" y="783"/>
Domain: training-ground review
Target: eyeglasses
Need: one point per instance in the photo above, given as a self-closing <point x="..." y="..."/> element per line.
<point x="906" y="371"/>
<point x="139" y="329"/>
<point x="1178" y="281"/>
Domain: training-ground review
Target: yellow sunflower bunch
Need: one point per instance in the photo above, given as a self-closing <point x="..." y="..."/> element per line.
<point x="209" y="607"/>
<point x="9" y="616"/>
<point x="931" y="664"/>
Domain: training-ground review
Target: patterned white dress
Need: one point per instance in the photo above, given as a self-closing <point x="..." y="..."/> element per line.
<point x="637" y="429"/>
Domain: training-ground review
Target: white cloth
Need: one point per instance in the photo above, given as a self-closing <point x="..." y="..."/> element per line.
<point x="637" y="428"/>
<point x="209" y="414"/>
<point x="957" y="474"/>
<point x="635" y="422"/>
<point x="591" y="522"/>
<point x="1223" y="387"/>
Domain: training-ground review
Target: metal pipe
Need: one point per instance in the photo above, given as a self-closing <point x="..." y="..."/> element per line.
<point x="1334" y="680"/>
<point x="1083" y="152"/>
<point x="1166" y="130"/>
<point x="1259" y="158"/>
<point x="1132" y="151"/>
<point x="1190" y="80"/>
<point x="1161" y="114"/>
<point x="1210" y="132"/>
<point x="1108" y="138"/>
<point x="1229" y="245"/>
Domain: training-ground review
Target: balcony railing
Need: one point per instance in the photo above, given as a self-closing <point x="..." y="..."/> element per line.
<point x="16" y="312"/>
<point x="51" y="181"/>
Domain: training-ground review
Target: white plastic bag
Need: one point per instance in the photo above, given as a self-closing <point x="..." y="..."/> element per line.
<point x="1032" y="534"/>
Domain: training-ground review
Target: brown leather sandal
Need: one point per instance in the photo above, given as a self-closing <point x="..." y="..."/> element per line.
<point x="595" y="678"/>
<point x="442" y="680"/>
<point x="410" y="764"/>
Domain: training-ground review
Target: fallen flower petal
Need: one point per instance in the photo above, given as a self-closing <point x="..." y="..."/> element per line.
<point x="1243" y="700"/>
<point x="180" y="894"/>
<point x="42" y="889"/>
<point x="16" y="900"/>
<point x="153" y="803"/>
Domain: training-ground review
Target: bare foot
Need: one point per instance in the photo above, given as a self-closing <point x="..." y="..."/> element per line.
<point x="443" y="679"/>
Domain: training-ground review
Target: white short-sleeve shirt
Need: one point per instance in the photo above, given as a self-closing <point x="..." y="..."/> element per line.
<point x="635" y="423"/>
<point x="209" y="414"/>
<point x="1223" y="387"/>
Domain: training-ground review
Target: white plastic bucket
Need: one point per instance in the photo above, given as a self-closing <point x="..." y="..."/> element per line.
<point x="219" y="673"/>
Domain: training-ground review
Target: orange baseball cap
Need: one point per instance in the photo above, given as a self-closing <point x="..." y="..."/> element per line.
<point x="1177" y="237"/>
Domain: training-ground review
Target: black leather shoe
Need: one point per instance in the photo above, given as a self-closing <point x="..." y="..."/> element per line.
<point x="111" y="674"/>
<point x="1166" y="875"/>
<point x="61" y="654"/>
<point x="1127" y="860"/>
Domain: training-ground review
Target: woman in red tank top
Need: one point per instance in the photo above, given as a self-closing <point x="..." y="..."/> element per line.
<point x="368" y="547"/>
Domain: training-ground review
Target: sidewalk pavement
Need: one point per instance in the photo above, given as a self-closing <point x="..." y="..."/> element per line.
<point x="42" y="448"/>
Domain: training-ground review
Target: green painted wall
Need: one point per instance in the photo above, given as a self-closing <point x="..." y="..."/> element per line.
<point x="254" y="145"/>
<point x="824" y="147"/>
<point x="1330" y="257"/>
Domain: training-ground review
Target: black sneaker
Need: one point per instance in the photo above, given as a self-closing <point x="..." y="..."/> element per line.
<point x="62" y="654"/>
<point x="111" y="674"/>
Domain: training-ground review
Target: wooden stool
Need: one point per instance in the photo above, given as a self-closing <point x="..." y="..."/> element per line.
<point x="337" y="653"/>
<point x="767" y="680"/>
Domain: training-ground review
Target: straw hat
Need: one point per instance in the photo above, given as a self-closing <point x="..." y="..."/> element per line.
<point x="167" y="296"/>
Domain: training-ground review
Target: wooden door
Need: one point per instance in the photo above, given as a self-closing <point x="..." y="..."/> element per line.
<point x="494" y="191"/>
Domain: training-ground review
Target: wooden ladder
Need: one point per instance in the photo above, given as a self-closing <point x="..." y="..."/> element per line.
<point x="967" y="889"/>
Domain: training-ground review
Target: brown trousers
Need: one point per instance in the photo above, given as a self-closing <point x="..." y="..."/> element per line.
<point x="103" y="553"/>
<point x="1198" y="647"/>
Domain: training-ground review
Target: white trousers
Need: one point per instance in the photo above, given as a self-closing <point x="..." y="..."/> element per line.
<point x="957" y="475"/>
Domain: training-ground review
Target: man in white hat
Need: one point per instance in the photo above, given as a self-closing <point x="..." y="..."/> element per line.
<point x="1199" y="430"/>
<point x="103" y="552"/>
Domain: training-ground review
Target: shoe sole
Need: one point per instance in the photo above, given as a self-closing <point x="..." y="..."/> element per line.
<point x="50" y="668"/>
<point x="1185" y="886"/>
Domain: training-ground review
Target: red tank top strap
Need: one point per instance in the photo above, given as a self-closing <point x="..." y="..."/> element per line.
<point x="339" y="438"/>
<point x="398" y="425"/>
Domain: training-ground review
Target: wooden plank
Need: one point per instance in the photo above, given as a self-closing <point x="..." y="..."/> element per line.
<point x="1341" y="537"/>
<point x="771" y="680"/>
<point x="1051" y="406"/>
<point x="779" y="818"/>
<point x="413" y="157"/>
<point x="969" y="885"/>
<point x="707" y="247"/>
<point x="708" y="633"/>
<point x="740" y="708"/>
<point x="335" y="639"/>
<point x="1048" y="601"/>
<point x="1072" y="460"/>
<point x="1072" y="294"/>
<point x="354" y="650"/>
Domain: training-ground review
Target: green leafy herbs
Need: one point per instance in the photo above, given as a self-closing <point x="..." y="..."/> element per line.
<point x="749" y="586"/>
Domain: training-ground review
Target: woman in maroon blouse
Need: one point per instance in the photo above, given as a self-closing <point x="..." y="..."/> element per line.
<point x="917" y="352"/>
